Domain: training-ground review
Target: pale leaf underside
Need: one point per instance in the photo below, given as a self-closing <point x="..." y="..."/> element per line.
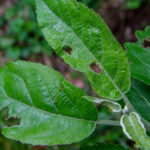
<point x="135" y="130"/>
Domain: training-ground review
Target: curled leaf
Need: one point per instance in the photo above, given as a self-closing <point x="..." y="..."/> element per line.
<point x="135" y="130"/>
<point x="114" y="106"/>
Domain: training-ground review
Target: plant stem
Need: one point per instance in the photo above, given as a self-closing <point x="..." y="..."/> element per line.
<point x="109" y="122"/>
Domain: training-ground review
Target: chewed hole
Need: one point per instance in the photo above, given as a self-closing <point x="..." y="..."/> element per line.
<point x="146" y="43"/>
<point x="9" y="121"/>
<point x="68" y="49"/>
<point x="95" y="68"/>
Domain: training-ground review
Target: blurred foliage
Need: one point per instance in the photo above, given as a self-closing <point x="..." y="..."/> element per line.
<point x="134" y="4"/>
<point x="21" y="34"/>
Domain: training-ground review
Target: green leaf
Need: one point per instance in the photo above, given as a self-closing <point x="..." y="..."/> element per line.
<point x="135" y="130"/>
<point x="114" y="106"/>
<point x="68" y="25"/>
<point x="139" y="55"/>
<point x="51" y="110"/>
<point x="139" y="97"/>
<point x="102" y="146"/>
<point x="133" y="4"/>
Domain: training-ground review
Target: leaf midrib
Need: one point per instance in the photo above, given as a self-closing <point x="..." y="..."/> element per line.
<point x="136" y="133"/>
<point x="69" y="117"/>
<point x="101" y="65"/>
<point x="32" y="106"/>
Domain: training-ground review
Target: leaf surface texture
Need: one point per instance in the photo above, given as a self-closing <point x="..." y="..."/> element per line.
<point x="139" y="56"/>
<point x="67" y="24"/>
<point x="139" y="97"/>
<point x="51" y="110"/>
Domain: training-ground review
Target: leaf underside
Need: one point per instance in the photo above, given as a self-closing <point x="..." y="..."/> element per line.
<point x="114" y="106"/>
<point x="135" y="130"/>
<point x="66" y="23"/>
<point x="51" y="110"/>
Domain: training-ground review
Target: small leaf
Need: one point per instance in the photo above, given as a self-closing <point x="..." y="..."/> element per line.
<point x="139" y="97"/>
<point x="51" y="110"/>
<point x="139" y="55"/>
<point x="114" y="106"/>
<point x="135" y="130"/>
<point x="102" y="146"/>
<point x="71" y="24"/>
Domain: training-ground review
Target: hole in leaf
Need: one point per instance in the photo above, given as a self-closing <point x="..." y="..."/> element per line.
<point x="8" y="121"/>
<point x="95" y="68"/>
<point x="146" y="43"/>
<point x="68" y="49"/>
<point x="12" y="121"/>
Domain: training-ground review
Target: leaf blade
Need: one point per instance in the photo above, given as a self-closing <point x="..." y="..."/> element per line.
<point x="140" y="98"/>
<point x="139" y="56"/>
<point x="65" y="22"/>
<point x="55" y="111"/>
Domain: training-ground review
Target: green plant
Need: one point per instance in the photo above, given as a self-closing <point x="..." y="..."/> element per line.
<point x="48" y="110"/>
<point x="133" y="4"/>
<point x="22" y="36"/>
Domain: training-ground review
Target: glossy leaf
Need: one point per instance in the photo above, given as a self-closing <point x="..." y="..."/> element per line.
<point x="139" y="97"/>
<point x="82" y="39"/>
<point x="139" y="55"/>
<point x="114" y="106"/>
<point x="102" y="146"/>
<point x="51" y="110"/>
<point x="135" y="130"/>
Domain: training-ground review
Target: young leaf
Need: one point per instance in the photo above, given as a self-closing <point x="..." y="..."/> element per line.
<point x="135" y="130"/>
<point x="51" y="110"/>
<point x="102" y="146"/>
<point x="114" y="106"/>
<point x="139" y="55"/>
<point x="82" y="39"/>
<point x="139" y="97"/>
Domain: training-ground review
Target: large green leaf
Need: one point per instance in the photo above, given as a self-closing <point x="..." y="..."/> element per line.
<point x="102" y="146"/>
<point x="51" y="110"/>
<point x="135" y="130"/>
<point x="139" y="97"/>
<point x="139" y="55"/>
<point x="66" y="23"/>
